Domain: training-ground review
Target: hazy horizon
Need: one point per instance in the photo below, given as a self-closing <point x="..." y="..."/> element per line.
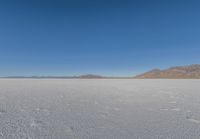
<point x="110" y="38"/>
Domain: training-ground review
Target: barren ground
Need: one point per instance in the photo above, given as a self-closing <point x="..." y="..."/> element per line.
<point x="99" y="109"/>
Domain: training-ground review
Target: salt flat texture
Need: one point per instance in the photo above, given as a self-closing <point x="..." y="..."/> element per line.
<point x="99" y="109"/>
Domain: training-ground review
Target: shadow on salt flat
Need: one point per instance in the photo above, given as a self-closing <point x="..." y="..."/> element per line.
<point x="2" y="111"/>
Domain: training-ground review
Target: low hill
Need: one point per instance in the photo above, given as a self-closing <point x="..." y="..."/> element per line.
<point x="179" y="72"/>
<point x="90" y="76"/>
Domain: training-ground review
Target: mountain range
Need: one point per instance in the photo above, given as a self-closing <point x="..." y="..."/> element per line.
<point x="179" y="72"/>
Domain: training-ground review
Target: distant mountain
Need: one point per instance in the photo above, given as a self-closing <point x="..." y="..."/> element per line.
<point x="179" y="72"/>
<point x="89" y="76"/>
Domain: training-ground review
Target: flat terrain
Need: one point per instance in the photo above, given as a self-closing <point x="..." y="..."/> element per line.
<point x="99" y="109"/>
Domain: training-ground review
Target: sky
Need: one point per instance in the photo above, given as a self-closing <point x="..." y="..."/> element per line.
<point x="106" y="37"/>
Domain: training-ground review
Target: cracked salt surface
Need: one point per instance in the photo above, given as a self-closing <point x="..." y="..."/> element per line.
<point x="99" y="109"/>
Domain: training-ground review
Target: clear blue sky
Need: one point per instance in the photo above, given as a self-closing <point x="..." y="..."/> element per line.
<point x="108" y="37"/>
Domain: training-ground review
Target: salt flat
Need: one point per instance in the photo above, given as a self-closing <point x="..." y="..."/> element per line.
<point x="99" y="109"/>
